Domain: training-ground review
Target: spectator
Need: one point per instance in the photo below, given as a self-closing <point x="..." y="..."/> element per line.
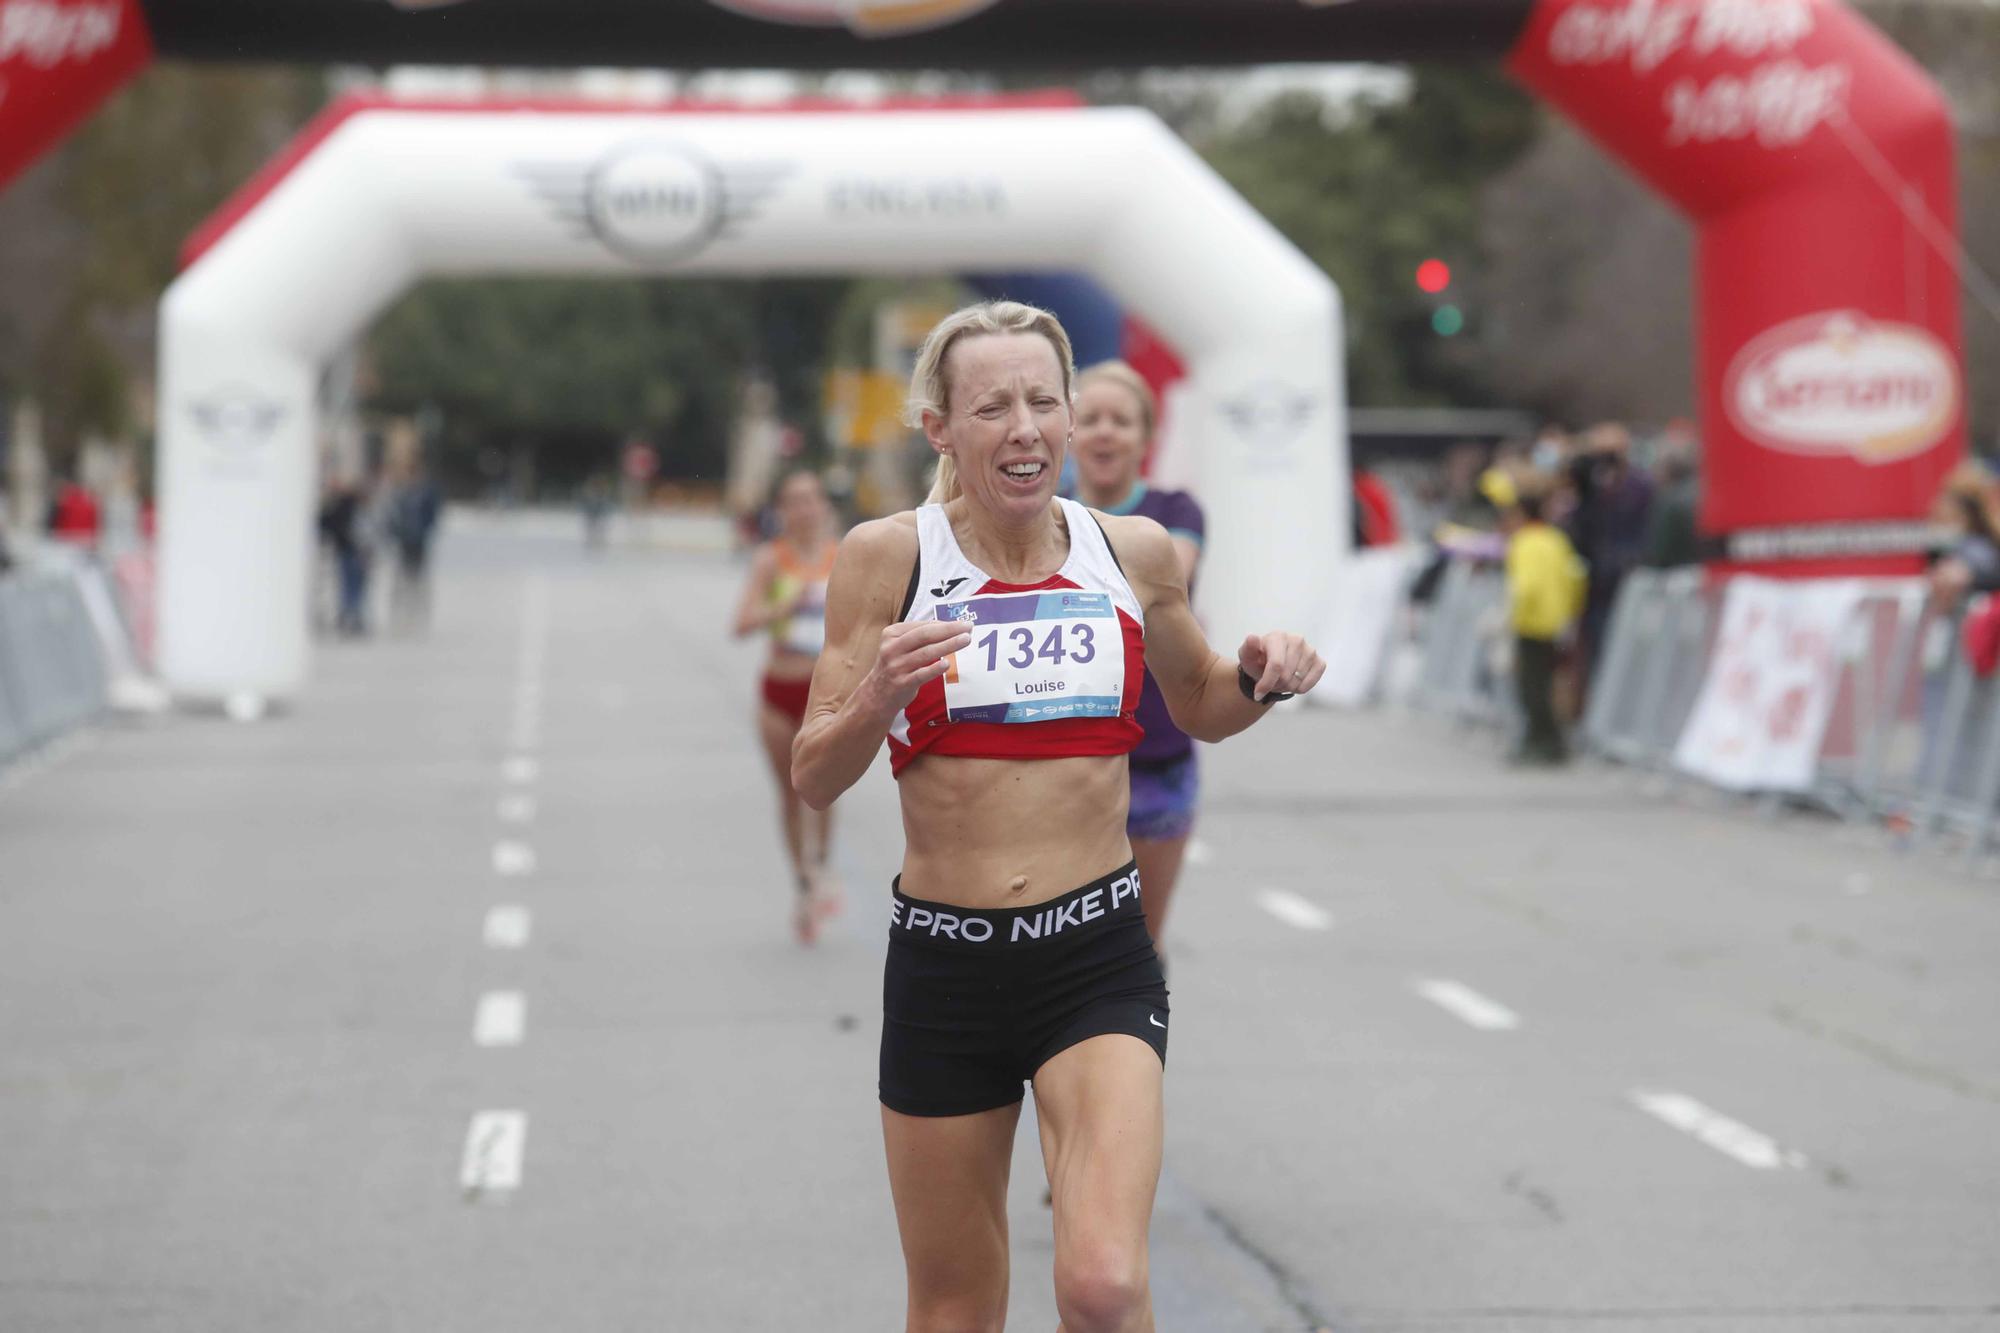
<point x="1545" y="591"/>
<point x="413" y="506"/>
<point x="1969" y="559"/>
<point x="1614" y="502"/>
<point x="1671" y="536"/>
<point x="74" y="516"/>
<point x="1374" y="511"/>
<point x="344" y="526"/>
<point x="596" y="501"/>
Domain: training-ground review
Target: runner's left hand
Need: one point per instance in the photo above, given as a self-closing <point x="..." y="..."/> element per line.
<point x="1280" y="661"/>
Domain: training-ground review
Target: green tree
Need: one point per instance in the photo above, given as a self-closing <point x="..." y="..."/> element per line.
<point x="1370" y="190"/>
<point x="94" y="235"/>
<point x="574" y="364"/>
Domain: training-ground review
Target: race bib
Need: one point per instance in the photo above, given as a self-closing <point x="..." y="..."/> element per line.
<point x="1035" y="657"/>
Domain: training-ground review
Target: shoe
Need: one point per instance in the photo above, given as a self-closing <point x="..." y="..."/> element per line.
<point x="805" y="922"/>
<point x="825" y="895"/>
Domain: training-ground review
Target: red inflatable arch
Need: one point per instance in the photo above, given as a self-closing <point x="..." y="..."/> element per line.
<point x="1814" y="158"/>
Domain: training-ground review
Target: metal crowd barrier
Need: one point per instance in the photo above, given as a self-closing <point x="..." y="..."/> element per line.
<point x="1462" y="674"/>
<point x="1913" y="741"/>
<point x="51" y="673"/>
<point x="1650" y="667"/>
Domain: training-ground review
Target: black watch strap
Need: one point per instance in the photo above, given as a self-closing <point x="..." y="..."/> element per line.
<point x="1248" y="684"/>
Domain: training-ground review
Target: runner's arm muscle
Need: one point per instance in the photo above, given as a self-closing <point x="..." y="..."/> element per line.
<point x="871" y="667"/>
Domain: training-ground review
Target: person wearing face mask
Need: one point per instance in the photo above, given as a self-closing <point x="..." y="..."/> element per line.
<point x="1116" y="415"/>
<point x="998" y="637"/>
<point x="785" y="597"/>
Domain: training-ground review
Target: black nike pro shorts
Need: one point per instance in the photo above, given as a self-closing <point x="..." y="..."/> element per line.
<point x="974" y="1002"/>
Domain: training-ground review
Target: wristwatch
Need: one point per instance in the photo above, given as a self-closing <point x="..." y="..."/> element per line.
<point x="1248" y="684"/>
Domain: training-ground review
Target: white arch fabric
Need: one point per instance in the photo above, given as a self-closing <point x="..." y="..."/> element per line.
<point x="393" y="195"/>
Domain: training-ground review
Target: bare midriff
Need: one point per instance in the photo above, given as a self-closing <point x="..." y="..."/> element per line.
<point x="782" y="664"/>
<point x="988" y="833"/>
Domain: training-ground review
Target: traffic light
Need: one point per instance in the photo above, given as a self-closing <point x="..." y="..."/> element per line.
<point x="1434" y="279"/>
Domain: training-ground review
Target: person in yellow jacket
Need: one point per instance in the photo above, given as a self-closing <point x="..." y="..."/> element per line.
<point x="1546" y="583"/>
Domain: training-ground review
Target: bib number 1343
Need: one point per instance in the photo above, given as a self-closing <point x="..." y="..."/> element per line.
<point x="1035" y="657"/>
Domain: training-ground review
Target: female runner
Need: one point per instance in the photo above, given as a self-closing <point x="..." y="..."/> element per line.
<point x="786" y="597"/>
<point x="1116" y="415"/>
<point x="998" y="636"/>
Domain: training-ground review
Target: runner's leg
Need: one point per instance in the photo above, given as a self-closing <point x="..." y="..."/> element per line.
<point x="1099" y="1106"/>
<point x="1159" y="869"/>
<point x="776" y="730"/>
<point x="949" y="1178"/>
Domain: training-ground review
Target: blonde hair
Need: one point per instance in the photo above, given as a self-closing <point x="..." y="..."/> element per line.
<point x="930" y="385"/>
<point x="1121" y="373"/>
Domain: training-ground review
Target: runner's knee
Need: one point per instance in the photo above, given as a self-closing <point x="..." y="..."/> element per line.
<point x="1102" y="1289"/>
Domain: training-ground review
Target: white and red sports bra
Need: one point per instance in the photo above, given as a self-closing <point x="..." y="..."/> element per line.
<point x="1054" y="668"/>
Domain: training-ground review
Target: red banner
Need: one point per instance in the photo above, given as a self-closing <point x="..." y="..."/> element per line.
<point x="58" y="60"/>
<point x="1816" y="162"/>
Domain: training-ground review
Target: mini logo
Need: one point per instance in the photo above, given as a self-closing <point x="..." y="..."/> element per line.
<point x="654" y="203"/>
<point x="236" y="418"/>
<point x="866" y="18"/>
<point x="1269" y="414"/>
<point x="944" y="589"/>
<point x="966" y="613"/>
<point x="1154" y="1019"/>
<point x="1837" y="382"/>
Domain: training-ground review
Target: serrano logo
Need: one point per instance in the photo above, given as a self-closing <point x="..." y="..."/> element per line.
<point x="1837" y="382"/>
<point x="654" y="203"/>
<point x="45" y="34"/>
<point x="868" y="18"/>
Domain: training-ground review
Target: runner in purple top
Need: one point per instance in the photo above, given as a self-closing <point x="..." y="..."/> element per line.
<point x="1115" y="418"/>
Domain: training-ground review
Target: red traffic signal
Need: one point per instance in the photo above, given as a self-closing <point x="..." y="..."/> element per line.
<point x="1433" y="275"/>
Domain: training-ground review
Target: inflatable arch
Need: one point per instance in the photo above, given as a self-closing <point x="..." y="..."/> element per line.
<point x="381" y="195"/>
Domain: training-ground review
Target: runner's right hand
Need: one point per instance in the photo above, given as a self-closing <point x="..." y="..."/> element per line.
<point x="912" y="653"/>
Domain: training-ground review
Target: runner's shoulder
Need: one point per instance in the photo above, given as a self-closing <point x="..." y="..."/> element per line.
<point x="881" y="545"/>
<point x="1143" y="548"/>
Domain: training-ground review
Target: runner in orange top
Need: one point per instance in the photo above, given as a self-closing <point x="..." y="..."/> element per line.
<point x="785" y="597"/>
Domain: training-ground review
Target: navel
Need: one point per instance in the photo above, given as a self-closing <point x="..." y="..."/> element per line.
<point x="1018" y="884"/>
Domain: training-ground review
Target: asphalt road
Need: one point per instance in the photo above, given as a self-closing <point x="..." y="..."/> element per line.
<point x="460" y="996"/>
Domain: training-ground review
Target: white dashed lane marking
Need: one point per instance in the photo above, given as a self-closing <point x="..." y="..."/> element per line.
<point x="517" y="808"/>
<point x="495" y="1144"/>
<point x="1294" y="910"/>
<point x="520" y="769"/>
<point x="507" y="927"/>
<point x="1468" y="1004"/>
<point x="1718" y="1131"/>
<point x="502" y="1019"/>
<point x="513" y="858"/>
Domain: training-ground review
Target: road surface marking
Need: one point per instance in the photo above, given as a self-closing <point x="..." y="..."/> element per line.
<point x="1294" y="910"/>
<point x="517" y="808"/>
<point x="507" y="928"/>
<point x="1468" y="1004"/>
<point x="494" y="1146"/>
<point x="502" y="1018"/>
<point x="513" y="858"/>
<point x="1718" y="1131"/>
<point x="520" y="769"/>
